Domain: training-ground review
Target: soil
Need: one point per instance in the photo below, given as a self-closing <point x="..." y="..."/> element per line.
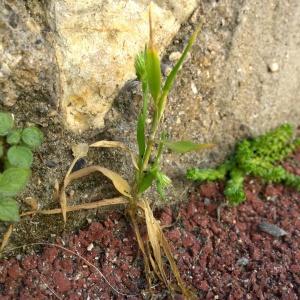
<point x="222" y="252"/>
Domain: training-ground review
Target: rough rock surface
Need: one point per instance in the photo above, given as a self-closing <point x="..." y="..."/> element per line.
<point x="27" y="60"/>
<point x="96" y="42"/>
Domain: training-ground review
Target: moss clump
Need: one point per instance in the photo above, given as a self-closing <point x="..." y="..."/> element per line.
<point x="257" y="157"/>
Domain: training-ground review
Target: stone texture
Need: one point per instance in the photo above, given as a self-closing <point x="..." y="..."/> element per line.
<point x="96" y="42"/>
<point x="238" y="94"/>
<point x="27" y="61"/>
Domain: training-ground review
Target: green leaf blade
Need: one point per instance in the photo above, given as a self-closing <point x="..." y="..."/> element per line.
<point x="187" y="146"/>
<point x="153" y="70"/>
<point x="20" y="156"/>
<point x="9" y="210"/>
<point x="146" y="182"/>
<point x="171" y="77"/>
<point x="141" y="135"/>
<point x="13" y="181"/>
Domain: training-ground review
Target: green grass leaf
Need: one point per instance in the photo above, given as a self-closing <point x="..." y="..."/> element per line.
<point x="153" y="70"/>
<point x="32" y="137"/>
<point x="171" y="77"/>
<point x="187" y="146"/>
<point x="146" y="182"/>
<point x="6" y="123"/>
<point x="141" y="135"/>
<point x="20" y="156"/>
<point x="140" y="67"/>
<point x="9" y="210"/>
<point x="13" y="181"/>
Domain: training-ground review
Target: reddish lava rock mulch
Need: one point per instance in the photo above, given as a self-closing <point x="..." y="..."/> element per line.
<point x="229" y="258"/>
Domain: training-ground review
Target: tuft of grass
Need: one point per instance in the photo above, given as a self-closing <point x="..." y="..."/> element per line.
<point x="151" y="144"/>
<point x="257" y="157"/>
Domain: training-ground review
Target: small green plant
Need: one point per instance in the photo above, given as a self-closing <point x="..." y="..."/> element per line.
<point x="257" y="157"/>
<point x="16" y="146"/>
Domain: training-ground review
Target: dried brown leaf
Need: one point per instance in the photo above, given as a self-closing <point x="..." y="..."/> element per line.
<point x="154" y="239"/>
<point x="80" y="150"/>
<point x="119" y="183"/>
<point x="92" y="205"/>
<point x="6" y="237"/>
<point x="32" y="202"/>
<point x="116" y="144"/>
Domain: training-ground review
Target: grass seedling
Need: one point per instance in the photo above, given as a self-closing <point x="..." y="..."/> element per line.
<point x="147" y="163"/>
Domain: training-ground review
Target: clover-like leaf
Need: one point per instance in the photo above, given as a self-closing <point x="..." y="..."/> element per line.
<point x="20" y="156"/>
<point x="14" y="137"/>
<point x="32" y="137"/>
<point x="6" y="123"/>
<point x="9" y="210"/>
<point x="13" y="181"/>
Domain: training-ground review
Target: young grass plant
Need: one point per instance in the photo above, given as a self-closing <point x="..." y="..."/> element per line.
<point x="151" y="143"/>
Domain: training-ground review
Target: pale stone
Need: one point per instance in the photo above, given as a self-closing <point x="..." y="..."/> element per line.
<point x="96" y="43"/>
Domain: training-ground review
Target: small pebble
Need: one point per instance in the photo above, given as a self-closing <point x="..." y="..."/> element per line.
<point x="273" y="67"/>
<point x="207" y="201"/>
<point x="194" y="88"/>
<point x="243" y="261"/>
<point x="51" y="163"/>
<point x="90" y="247"/>
<point x="174" y="56"/>
<point x="272" y="229"/>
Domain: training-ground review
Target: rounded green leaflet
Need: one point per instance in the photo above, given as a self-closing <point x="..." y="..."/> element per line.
<point x="6" y="123"/>
<point x="9" y="210"/>
<point x="32" y="137"/>
<point x="14" y="137"/>
<point x="20" y="156"/>
<point x="13" y="180"/>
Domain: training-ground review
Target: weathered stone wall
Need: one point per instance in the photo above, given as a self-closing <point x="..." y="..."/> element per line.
<point x="28" y="66"/>
<point x="242" y="77"/>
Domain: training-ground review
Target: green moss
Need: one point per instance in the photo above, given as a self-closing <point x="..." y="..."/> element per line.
<point x="257" y="157"/>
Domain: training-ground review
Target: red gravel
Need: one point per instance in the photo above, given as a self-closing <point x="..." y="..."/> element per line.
<point x="230" y="259"/>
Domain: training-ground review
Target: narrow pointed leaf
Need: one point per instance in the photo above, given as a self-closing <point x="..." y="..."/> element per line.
<point x="140" y="134"/>
<point x="153" y="72"/>
<point x="146" y="182"/>
<point x="187" y="146"/>
<point x="171" y="77"/>
<point x="140" y="67"/>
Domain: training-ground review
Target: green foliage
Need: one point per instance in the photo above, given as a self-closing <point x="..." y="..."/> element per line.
<point x="9" y="210"/>
<point x="148" y="71"/>
<point x="32" y="137"/>
<point x="14" y="137"/>
<point x="16" y="158"/>
<point x="257" y="157"/>
<point x="6" y="123"/>
<point x="20" y="156"/>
